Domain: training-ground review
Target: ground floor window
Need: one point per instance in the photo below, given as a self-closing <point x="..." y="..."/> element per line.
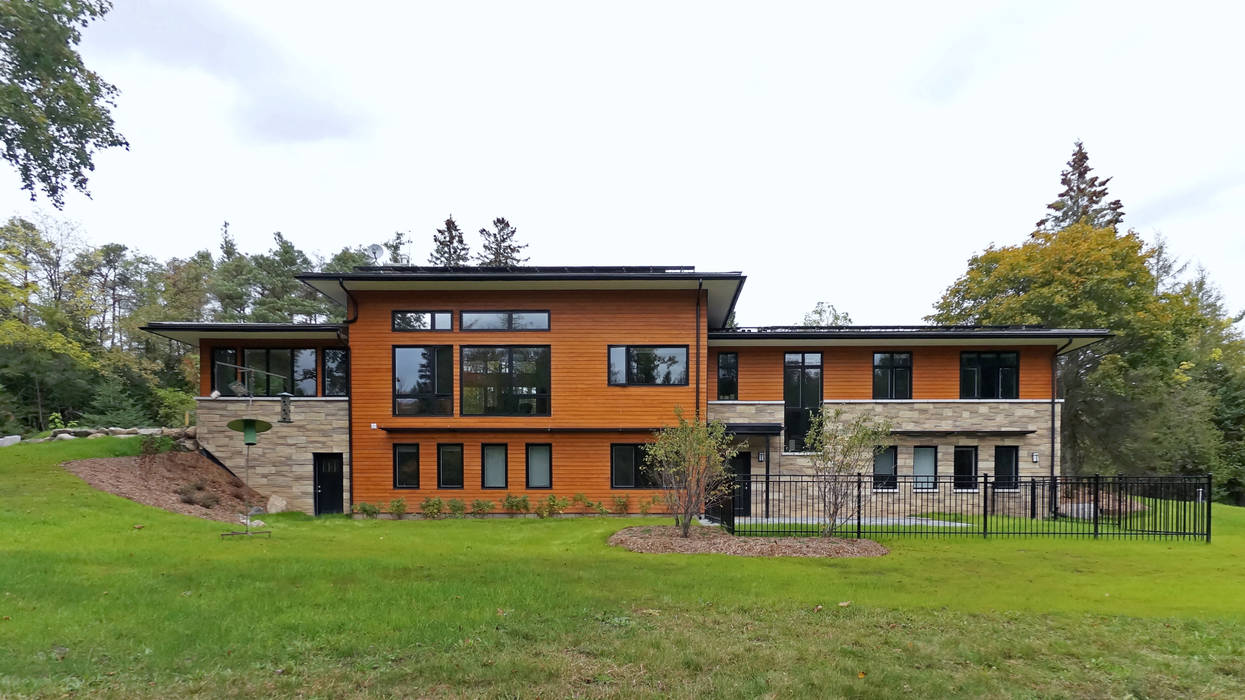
<point x="966" y="467"/>
<point x="539" y="466"/>
<point x="627" y="468"/>
<point x="925" y="467"/>
<point x="1006" y="467"/>
<point x="450" y="466"/>
<point x="493" y="466"/>
<point x="884" y="463"/>
<point x="406" y="466"/>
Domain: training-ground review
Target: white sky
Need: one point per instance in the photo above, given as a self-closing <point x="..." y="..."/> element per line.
<point x="857" y="154"/>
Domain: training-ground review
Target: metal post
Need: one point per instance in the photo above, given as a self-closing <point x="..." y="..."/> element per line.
<point x="1032" y="498"/>
<point x="985" y="505"/>
<point x="1208" y="502"/>
<point x="1097" y="488"/>
<point x="1054" y="496"/>
<point x="858" y="502"/>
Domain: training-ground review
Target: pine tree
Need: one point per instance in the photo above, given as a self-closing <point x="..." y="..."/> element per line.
<point x="499" y="246"/>
<point x="395" y="246"/>
<point x="232" y="282"/>
<point x="1083" y="197"/>
<point x="448" y="247"/>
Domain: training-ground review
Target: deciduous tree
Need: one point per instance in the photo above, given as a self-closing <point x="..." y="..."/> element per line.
<point x="688" y="461"/>
<point x="824" y="314"/>
<point x="841" y="448"/>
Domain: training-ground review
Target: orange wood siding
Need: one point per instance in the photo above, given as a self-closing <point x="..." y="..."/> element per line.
<point x="206" y="347"/>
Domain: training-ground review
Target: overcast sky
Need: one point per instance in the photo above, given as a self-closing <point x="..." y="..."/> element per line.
<point x="857" y="154"/>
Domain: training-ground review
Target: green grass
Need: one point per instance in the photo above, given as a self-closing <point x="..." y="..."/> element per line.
<point x="538" y="608"/>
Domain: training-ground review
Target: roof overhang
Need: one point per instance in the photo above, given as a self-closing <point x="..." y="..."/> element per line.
<point x="966" y="433"/>
<point x="1065" y="340"/>
<point x="754" y="428"/>
<point x="192" y="333"/>
<point x="723" y="288"/>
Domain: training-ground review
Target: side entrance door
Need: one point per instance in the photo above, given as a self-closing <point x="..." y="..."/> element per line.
<point x="328" y="482"/>
<point x="741" y="466"/>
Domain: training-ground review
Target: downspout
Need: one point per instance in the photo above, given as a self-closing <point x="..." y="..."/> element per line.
<point x="1054" y="391"/>
<point x="350" y="300"/>
<point x="700" y="283"/>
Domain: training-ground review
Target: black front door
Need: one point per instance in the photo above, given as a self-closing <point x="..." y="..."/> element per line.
<point x="328" y="469"/>
<point x="740" y="468"/>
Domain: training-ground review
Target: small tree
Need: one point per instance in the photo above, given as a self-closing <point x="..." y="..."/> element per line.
<point x="826" y="315"/>
<point x="499" y="249"/>
<point x="449" y="249"/>
<point x="688" y="462"/>
<point x="841" y="448"/>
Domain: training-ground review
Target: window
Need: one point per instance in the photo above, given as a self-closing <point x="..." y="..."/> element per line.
<point x="645" y="365"/>
<point x="493" y="466"/>
<point x="925" y="468"/>
<point x="450" y="466"/>
<point x="626" y="468"/>
<point x="294" y="370"/>
<point x="304" y="372"/>
<point x="505" y="381"/>
<point x="504" y="321"/>
<point x="1007" y="467"/>
<point x="884" y="478"/>
<point x="539" y="466"/>
<point x="989" y="375"/>
<point x="423" y="381"/>
<point x="892" y="375"/>
<point x="421" y="321"/>
<point x="801" y="393"/>
<point x="966" y="468"/>
<point x="336" y="381"/>
<point x="728" y="376"/>
<point x="222" y="377"/>
<point x="406" y="466"/>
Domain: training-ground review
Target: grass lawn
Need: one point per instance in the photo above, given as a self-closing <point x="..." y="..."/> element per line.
<point x="332" y="607"/>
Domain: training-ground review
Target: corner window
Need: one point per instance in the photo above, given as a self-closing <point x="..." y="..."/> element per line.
<point x="892" y="375"/>
<point x="728" y="376"/>
<point x="647" y="365"/>
<point x="989" y="375"/>
<point x="801" y="394"/>
<point x="223" y="376"/>
<point x="966" y="468"/>
<point x="539" y="466"/>
<point x="925" y="468"/>
<point x="450" y="466"/>
<point x="406" y="466"/>
<point x="336" y="380"/>
<point x="493" y="466"/>
<point x="1007" y="467"/>
<point x="884" y="476"/>
<point x="627" y="468"/>
<point x="504" y="321"/>
<point x="505" y="381"/>
<point x="405" y="321"/>
<point x="423" y="381"/>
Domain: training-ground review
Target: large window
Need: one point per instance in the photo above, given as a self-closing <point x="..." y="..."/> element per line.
<point x="925" y="468"/>
<point x="647" y="365"/>
<point x="989" y="375"/>
<point x="422" y="321"/>
<point x="728" y="376"/>
<point x="294" y="370"/>
<point x="504" y="321"/>
<point x="539" y="465"/>
<point x="1007" y="467"/>
<point x="892" y="375"/>
<point x="493" y="466"/>
<point x="423" y="381"/>
<point x="505" y="381"/>
<point x="336" y="380"/>
<point x="449" y="466"/>
<point x="884" y="464"/>
<point x="406" y="466"/>
<point x="966" y="468"/>
<point x="627" y="468"/>
<point x="222" y="377"/>
<point x="801" y="393"/>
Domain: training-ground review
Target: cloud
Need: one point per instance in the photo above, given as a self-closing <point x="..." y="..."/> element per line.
<point x="1195" y="199"/>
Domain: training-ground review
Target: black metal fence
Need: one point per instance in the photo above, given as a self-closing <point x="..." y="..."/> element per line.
<point x="1176" y="507"/>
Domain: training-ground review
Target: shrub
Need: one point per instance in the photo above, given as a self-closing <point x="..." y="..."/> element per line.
<point x="481" y="508"/>
<point x="622" y="504"/>
<point x="456" y="507"/>
<point x="208" y="500"/>
<point x="599" y="507"/>
<point x="516" y="504"/>
<point x="550" y="506"/>
<point x="397" y="507"/>
<point x="196" y="493"/>
<point x="646" y="506"/>
<point x="172" y="405"/>
<point x="366" y="509"/>
<point x="431" y="508"/>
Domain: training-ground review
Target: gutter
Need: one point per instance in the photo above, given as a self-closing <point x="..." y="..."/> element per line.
<point x="1054" y="392"/>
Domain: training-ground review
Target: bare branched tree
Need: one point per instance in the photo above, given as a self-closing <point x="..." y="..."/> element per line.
<point x="841" y="449"/>
<point x="688" y="462"/>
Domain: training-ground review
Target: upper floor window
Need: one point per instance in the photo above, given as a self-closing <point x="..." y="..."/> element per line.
<point x="423" y="381"/>
<point x="647" y="365"/>
<point x="336" y="379"/>
<point x="504" y="321"/>
<point x="989" y="375"/>
<point x="892" y="375"/>
<point x="222" y="374"/>
<point x="422" y="320"/>
<point x="505" y="381"/>
<point x="728" y="376"/>
<point x="280" y="370"/>
<point x="801" y="395"/>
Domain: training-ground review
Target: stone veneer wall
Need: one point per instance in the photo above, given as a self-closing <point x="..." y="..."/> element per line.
<point x="281" y="462"/>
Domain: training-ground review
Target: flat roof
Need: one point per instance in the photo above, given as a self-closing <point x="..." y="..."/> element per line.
<point x="1066" y="339"/>
<point x="191" y="332"/>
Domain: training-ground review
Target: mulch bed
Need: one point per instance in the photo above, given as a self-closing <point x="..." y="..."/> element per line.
<point x="666" y="539"/>
<point x="154" y="481"/>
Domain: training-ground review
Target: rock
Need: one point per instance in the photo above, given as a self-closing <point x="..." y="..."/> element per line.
<point x="38" y="440"/>
<point x="10" y="440"/>
<point x="172" y="432"/>
<point x="82" y="432"/>
<point x="92" y="436"/>
<point x="188" y="445"/>
<point x="276" y="504"/>
<point x="116" y="431"/>
<point x="64" y="436"/>
<point x="257" y="523"/>
<point x="148" y="431"/>
<point x="130" y="431"/>
<point x="192" y="432"/>
<point x="257" y="510"/>
<point x="62" y="431"/>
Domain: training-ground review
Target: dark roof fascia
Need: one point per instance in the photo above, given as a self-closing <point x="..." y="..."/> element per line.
<point x="510" y="276"/>
<point x="922" y="332"/>
<point x="754" y="428"/>
<point x="739" y="288"/>
<point x="155" y="326"/>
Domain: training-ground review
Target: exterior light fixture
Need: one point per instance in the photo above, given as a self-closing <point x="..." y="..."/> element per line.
<point x="285" y="407"/>
<point x="1035" y="457"/>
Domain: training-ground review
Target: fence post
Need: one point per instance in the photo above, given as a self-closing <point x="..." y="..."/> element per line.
<point x="858" y="502"/>
<point x="985" y="505"/>
<point x="1054" y="496"/>
<point x="1209" y="500"/>
<point x="1097" y="488"/>
<point x="1032" y="498"/>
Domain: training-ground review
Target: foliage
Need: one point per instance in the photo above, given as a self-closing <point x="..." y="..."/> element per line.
<point x="456" y="507"/>
<point x="621" y="505"/>
<point x="824" y="314"/>
<point x="397" y="507"/>
<point x="646" y="506"/>
<point x="196" y="493"/>
<point x="841" y="447"/>
<point x="367" y="510"/>
<point x="449" y="249"/>
<point x="516" y="504"/>
<point x="688" y="461"/>
<point x="481" y="507"/>
<point x="54" y="111"/>
<point x="113" y="407"/>
<point x="173" y="405"/>
<point x="1082" y="199"/>
<point x="432" y="507"/>
<point x="550" y="506"/>
<point x="498" y="247"/>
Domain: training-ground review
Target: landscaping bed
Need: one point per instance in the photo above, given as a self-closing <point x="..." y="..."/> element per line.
<point x="667" y="539"/>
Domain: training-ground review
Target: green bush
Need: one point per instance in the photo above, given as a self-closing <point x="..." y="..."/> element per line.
<point x="481" y="508"/>
<point x="196" y="493"/>
<point x="550" y="506"/>
<point x="516" y="504"/>
<point x="171" y="406"/>
<point x="646" y="506"/>
<point x="366" y="509"/>
<point x="113" y="406"/>
<point x="397" y="507"/>
<point x="431" y="508"/>
<point x="456" y="507"/>
<point x="622" y="505"/>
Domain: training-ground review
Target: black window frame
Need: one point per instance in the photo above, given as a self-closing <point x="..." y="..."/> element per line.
<point x="916" y="478"/>
<point x="527" y="464"/>
<point x="971" y="366"/>
<point x="639" y="475"/>
<point x="804" y="405"/>
<point x="397" y="446"/>
<point x="505" y="465"/>
<point x="1011" y="483"/>
<point x="734" y="380"/>
<point x="290" y="381"/>
<point x="432" y="318"/>
<point x="462" y="467"/>
<point x="891" y="370"/>
<point x="958" y="480"/>
<point x="324" y="375"/>
<point x="462" y="385"/>
<point x="224" y="390"/>
<point x="883" y="483"/>
<point x="627" y="374"/>
<point x="436" y="395"/>
<point x="462" y="321"/>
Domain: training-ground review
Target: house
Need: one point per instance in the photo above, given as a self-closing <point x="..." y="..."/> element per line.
<point x="472" y="383"/>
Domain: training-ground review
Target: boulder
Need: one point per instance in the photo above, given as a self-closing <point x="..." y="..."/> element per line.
<point x="116" y="431"/>
<point x="64" y="436"/>
<point x="92" y="436"/>
<point x="148" y="431"/>
<point x="129" y="431"/>
<point x="172" y="432"/>
<point x="62" y="431"/>
<point x="10" y="440"/>
<point x="82" y="432"/>
<point x="188" y="445"/>
<point x="192" y="432"/>
<point x="276" y="504"/>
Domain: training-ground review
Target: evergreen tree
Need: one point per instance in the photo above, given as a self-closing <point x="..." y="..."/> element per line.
<point x="448" y="247"/>
<point x="114" y="407"/>
<point x="279" y="297"/>
<point x="232" y="281"/>
<point x="396" y="246"/>
<point x="1082" y="198"/>
<point x="499" y="248"/>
